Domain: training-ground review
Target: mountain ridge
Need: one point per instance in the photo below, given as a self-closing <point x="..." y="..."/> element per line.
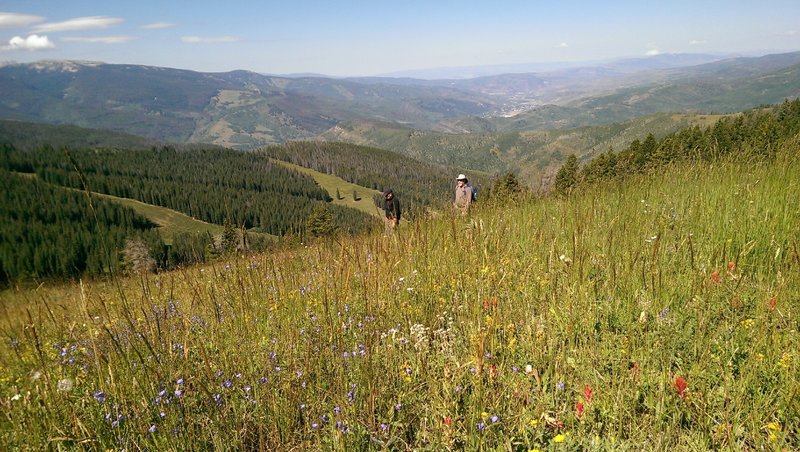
<point x="246" y="110"/>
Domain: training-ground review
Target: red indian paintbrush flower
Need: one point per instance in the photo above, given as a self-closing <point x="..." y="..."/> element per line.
<point x="588" y="393"/>
<point x="772" y="303"/>
<point x="715" y="279"/>
<point x="681" y="386"/>
<point x="579" y="409"/>
<point x="731" y="266"/>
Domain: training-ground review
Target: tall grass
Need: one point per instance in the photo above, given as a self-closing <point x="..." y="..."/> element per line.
<point x="658" y="313"/>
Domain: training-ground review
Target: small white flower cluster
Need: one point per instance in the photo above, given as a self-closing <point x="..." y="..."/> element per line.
<point x="394" y="337"/>
<point x="419" y="334"/>
<point x="445" y="336"/>
<point x="64" y="385"/>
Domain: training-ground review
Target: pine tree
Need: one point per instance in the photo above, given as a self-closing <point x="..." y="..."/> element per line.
<point x="567" y="176"/>
<point x="320" y="222"/>
<point x="506" y="186"/>
<point x="230" y="238"/>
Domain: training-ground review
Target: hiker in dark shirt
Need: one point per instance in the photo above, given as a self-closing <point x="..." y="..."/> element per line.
<point x="391" y="209"/>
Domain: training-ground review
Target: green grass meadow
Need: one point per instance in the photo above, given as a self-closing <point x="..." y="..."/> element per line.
<point x="363" y="196"/>
<point x="170" y="222"/>
<point x="657" y="313"/>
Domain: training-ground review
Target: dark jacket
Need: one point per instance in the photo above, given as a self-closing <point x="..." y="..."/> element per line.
<point x="391" y="207"/>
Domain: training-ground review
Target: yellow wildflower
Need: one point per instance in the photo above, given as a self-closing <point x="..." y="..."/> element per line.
<point x="560" y="438"/>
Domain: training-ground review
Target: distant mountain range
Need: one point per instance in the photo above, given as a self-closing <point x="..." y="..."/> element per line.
<point x="245" y="110"/>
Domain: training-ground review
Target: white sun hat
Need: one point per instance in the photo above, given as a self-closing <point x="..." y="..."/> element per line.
<point x="461" y="177"/>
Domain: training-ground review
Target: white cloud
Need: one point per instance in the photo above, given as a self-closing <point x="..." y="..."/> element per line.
<point x="78" y="23"/>
<point x="563" y="45"/>
<point x="9" y="20"/>
<point x="695" y="42"/>
<point x="32" y="42"/>
<point x="652" y="52"/>
<point x="99" y="39"/>
<point x="158" y="25"/>
<point x="788" y="33"/>
<point x="211" y="40"/>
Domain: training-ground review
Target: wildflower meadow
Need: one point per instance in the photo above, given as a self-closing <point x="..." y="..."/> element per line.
<point x="655" y="313"/>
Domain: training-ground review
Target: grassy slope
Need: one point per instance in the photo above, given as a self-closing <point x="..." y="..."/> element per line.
<point x="170" y="222"/>
<point x="332" y="183"/>
<point x="610" y="296"/>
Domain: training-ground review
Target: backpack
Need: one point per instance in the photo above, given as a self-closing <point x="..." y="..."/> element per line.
<point x="474" y="193"/>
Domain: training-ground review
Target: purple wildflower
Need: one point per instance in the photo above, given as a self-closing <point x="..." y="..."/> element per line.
<point x="152" y="428"/>
<point x="481" y="426"/>
<point x="100" y="396"/>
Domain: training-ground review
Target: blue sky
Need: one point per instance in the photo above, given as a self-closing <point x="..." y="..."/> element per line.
<point x="372" y="37"/>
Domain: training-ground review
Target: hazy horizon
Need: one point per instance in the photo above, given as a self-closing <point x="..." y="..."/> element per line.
<point x="349" y="39"/>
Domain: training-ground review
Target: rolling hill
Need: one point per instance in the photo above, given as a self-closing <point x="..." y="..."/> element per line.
<point x="535" y="155"/>
<point x="245" y="110"/>
<point x="236" y="109"/>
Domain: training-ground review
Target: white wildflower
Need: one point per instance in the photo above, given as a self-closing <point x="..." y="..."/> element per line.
<point x="64" y="385"/>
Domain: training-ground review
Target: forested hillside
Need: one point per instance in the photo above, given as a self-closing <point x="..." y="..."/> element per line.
<point x="51" y="232"/>
<point x="757" y="132"/>
<point x="212" y="185"/>
<point x="243" y="191"/>
<point x="417" y="184"/>
<point x="535" y="155"/>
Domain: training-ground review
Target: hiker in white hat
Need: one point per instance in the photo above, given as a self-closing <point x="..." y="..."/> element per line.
<point x="465" y="194"/>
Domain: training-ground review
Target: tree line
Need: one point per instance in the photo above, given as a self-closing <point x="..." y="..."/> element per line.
<point x="212" y="185"/>
<point x="417" y="184"/>
<point x="759" y="132"/>
<point x="51" y="231"/>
